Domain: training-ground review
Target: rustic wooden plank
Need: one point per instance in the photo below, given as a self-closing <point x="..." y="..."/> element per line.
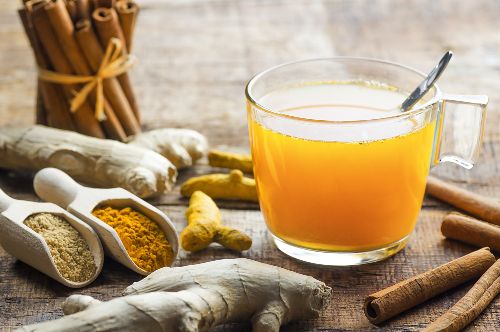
<point x="30" y="296"/>
<point x="196" y="56"/>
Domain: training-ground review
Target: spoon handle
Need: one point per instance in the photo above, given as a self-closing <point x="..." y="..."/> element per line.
<point x="5" y="201"/>
<point x="427" y="83"/>
<point x="55" y="186"/>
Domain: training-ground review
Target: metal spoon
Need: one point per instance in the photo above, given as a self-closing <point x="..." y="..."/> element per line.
<point x="427" y="83"/>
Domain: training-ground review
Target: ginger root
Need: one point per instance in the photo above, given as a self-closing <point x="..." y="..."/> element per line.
<point x="198" y="298"/>
<point x="204" y="227"/>
<point x="230" y="160"/>
<point x="233" y="186"/>
<point x="101" y="162"/>
<point x="183" y="147"/>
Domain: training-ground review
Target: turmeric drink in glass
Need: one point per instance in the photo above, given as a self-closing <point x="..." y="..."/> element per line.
<point x="340" y="170"/>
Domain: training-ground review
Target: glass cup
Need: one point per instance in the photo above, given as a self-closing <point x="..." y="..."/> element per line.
<point x="347" y="191"/>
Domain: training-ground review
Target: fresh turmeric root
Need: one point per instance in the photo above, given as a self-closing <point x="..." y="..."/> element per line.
<point x="233" y="186"/>
<point x="204" y="227"/>
<point x="230" y="160"/>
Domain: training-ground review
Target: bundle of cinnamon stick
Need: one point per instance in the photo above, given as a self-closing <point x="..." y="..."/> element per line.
<point x="72" y="37"/>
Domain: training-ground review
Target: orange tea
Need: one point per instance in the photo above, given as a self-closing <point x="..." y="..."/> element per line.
<point x="351" y="188"/>
<point x="340" y="169"/>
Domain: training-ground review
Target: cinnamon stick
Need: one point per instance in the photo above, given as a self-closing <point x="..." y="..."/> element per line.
<point x="60" y="19"/>
<point x="83" y="10"/>
<point x="41" y="113"/>
<point x="85" y="120"/>
<point x="480" y="206"/>
<point x="112" y="125"/>
<point x="64" y="29"/>
<point x="406" y="294"/>
<point x="127" y="13"/>
<point x="472" y="304"/>
<point x="51" y="104"/>
<point x="91" y="6"/>
<point x="78" y="9"/>
<point x="40" y="56"/>
<point x="104" y="3"/>
<point x="469" y="230"/>
<point x="107" y="25"/>
<point x="40" y="60"/>
<point x="94" y="54"/>
<point x="72" y="9"/>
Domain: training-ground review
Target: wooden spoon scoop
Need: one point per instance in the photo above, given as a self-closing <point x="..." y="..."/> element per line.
<point x="55" y="186"/>
<point x="30" y="247"/>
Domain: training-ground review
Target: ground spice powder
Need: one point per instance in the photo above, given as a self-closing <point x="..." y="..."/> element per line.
<point x="144" y="240"/>
<point x="69" y="250"/>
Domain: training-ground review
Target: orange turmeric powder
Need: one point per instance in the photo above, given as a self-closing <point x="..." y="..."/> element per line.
<point x="145" y="242"/>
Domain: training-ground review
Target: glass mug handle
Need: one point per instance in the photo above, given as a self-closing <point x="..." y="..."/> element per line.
<point x="459" y="129"/>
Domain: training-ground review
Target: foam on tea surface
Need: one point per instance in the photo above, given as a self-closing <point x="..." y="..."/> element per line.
<point x="343" y="102"/>
<point x="336" y="101"/>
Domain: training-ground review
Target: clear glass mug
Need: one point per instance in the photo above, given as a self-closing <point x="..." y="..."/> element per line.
<point x="337" y="192"/>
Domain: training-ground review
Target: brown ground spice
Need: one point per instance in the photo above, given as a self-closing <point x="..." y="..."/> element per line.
<point x="68" y="248"/>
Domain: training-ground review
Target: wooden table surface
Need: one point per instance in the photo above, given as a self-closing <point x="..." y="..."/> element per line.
<point x="195" y="58"/>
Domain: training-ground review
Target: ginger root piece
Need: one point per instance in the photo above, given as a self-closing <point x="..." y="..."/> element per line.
<point x="183" y="147"/>
<point x="233" y="186"/>
<point x="105" y="163"/>
<point x="243" y="162"/>
<point x="198" y="298"/>
<point x="204" y="227"/>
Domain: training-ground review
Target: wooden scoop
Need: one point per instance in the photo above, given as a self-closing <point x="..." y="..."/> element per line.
<point x="55" y="186"/>
<point x="30" y="247"/>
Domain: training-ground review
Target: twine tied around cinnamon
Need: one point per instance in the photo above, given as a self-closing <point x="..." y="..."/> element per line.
<point x="114" y="63"/>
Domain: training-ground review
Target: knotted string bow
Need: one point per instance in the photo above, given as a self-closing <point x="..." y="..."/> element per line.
<point x="114" y="63"/>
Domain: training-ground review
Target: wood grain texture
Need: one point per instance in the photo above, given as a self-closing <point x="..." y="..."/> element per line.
<point x="192" y="73"/>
